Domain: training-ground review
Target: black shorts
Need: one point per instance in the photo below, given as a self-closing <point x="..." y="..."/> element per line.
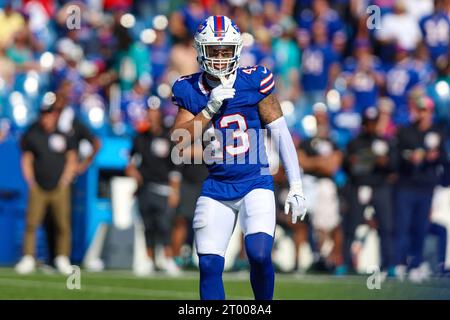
<point x="189" y="194"/>
<point x="156" y="216"/>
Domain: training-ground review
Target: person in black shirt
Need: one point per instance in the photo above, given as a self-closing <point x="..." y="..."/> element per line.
<point x="321" y="159"/>
<point x="69" y="124"/>
<point x="421" y="153"/>
<point x="193" y="175"/>
<point x="49" y="165"/>
<point x="158" y="181"/>
<point x="370" y="165"/>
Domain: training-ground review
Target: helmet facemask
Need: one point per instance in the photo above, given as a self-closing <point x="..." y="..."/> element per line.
<point x="219" y="59"/>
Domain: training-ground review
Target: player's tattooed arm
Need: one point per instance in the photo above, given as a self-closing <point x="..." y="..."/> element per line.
<point x="269" y="109"/>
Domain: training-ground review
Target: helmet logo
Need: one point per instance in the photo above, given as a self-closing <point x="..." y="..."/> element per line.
<point x="235" y="26"/>
<point x="201" y="26"/>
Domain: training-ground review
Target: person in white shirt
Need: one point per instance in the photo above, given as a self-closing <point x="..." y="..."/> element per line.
<point x="400" y="28"/>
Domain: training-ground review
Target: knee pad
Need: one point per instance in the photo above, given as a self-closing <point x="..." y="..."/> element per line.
<point x="259" y="248"/>
<point x="211" y="285"/>
<point x="211" y="264"/>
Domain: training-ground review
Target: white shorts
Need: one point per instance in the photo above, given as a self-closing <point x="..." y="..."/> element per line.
<point x="214" y="220"/>
<point x="322" y="202"/>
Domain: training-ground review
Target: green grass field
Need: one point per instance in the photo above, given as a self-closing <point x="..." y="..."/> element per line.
<point x="124" y="285"/>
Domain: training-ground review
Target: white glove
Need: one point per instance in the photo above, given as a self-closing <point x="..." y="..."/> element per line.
<point x="296" y="202"/>
<point x="218" y="95"/>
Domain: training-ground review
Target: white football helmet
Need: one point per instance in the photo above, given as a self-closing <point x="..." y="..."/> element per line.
<point x="218" y="32"/>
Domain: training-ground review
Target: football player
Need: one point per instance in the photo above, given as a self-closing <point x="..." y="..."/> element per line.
<point x="235" y="103"/>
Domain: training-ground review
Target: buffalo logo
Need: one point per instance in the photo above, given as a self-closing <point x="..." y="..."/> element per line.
<point x="234" y="25"/>
<point x="201" y="27"/>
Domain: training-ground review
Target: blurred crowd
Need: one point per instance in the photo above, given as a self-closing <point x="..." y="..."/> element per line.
<point x="364" y="86"/>
<point x="120" y="56"/>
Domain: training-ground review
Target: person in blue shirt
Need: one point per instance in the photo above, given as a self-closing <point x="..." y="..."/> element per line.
<point x="262" y="49"/>
<point x="421" y="61"/>
<point x="319" y="67"/>
<point x="435" y="30"/>
<point x="321" y="10"/>
<point x="229" y="106"/>
<point x="346" y="122"/>
<point x="184" y="22"/>
<point x="364" y="76"/>
<point x="133" y="106"/>
<point x="159" y="57"/>
<point x="401" y="78"/>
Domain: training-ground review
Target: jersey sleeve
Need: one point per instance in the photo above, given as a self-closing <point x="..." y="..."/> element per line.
<point x="182" y="93"/>
<point x="264" y="82"/>
<point x="83" y="131"/>
<point x="25" y="142"/>
<point x="134" y="147"/>
<point x="305" y="146"/>
<point x="177" y="97"/>
<point x="134" y="155"/>
<point x="71" y="143"/>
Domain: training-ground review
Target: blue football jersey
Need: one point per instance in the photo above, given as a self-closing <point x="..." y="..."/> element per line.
<point x="316" y="63"/>
<point x="400" y="80"/>
<point x="436" y="33"/>
<point x="238" y="161"/>
<point x="363" y="84"/>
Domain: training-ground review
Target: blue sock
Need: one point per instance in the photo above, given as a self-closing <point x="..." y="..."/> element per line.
<point x="262" y="276"/>
<point x="211" y="285"/>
